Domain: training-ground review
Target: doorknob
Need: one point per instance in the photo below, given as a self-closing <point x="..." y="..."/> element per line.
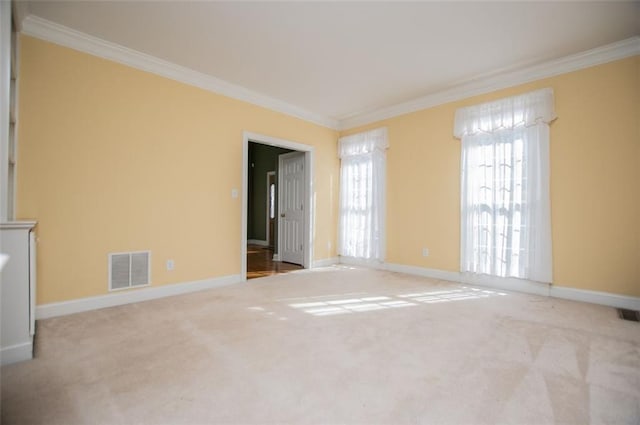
<point x="282" y="215"/>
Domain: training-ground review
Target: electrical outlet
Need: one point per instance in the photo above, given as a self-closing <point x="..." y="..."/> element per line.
<point x="425" y="252"/>
<point x="170" y="265"/>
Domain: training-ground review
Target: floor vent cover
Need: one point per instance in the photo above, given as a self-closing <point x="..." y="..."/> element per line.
<point x="630" y="315"/>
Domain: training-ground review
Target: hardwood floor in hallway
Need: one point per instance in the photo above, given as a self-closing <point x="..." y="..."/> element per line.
<point x="260" y="263"/>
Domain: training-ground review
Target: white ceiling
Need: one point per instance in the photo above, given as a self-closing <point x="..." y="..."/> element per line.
<point x="343" y="59"/>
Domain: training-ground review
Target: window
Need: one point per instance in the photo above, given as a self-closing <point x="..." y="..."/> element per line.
<point x="362" y="195"/>
<point x="272" y="200"/>
<point x="505" y="207"/>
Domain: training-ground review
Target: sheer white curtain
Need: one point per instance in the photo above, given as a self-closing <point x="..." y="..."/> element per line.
<point x="362" y="195"/>
<point x="505" y="206"/>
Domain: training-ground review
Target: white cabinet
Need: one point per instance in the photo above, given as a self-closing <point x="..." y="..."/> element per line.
<point x="17" y="295"/>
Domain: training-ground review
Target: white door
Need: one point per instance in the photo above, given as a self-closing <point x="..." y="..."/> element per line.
<point x="291" y="207"/>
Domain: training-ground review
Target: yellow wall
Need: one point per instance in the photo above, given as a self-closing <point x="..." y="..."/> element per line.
<point x="114" y="159"/>
<point x="595" y="180"/>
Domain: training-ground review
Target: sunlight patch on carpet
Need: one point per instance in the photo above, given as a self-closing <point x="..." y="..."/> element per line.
<point x="333" y="306"/>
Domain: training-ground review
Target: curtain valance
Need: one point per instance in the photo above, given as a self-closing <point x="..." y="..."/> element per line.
<point x="524" y="110"/>
<point x="362" y="143"/>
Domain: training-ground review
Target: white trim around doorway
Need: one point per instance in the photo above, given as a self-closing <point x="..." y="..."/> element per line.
<point x="309" y="208"/>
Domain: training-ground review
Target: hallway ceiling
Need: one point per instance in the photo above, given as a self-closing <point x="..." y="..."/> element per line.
<point x="342" y="59"/>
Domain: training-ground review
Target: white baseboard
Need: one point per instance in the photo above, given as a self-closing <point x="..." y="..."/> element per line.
<point x="257" y="242"/>
<point x="325" y="262"/>
<point x="24" y="351"/>
<point x="424" y="272"/>
<point x="131" y="296"/>
<point x="596" y="297"/>
<point x="352" y="261"/>
<point x="507" y="284"/>
<point x="16" y="353"/>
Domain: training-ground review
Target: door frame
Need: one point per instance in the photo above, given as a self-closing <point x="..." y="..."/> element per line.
<point x="308" y="151"/>
<point x="268" y="235"/>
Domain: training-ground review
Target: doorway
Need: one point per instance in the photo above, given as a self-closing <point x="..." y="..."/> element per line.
<point x="265" y="227"/>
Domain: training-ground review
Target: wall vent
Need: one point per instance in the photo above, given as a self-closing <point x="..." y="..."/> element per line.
<point x="129" y="269"/>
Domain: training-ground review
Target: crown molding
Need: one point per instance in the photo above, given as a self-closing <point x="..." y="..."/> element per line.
<point x="37" y="27"/>
<point x="50" y="31"/>
<point x="20" y="12"/>
<point x="597" y="56"/>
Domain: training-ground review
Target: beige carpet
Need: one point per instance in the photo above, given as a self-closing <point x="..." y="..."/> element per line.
<point x="338" y="345"/>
